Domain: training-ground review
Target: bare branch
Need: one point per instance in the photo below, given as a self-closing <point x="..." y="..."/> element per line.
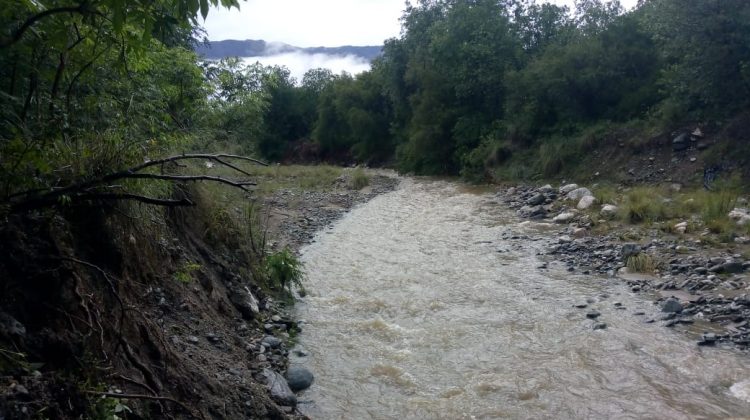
<point x="194" y="156"/>
<point x="183" y="178"/>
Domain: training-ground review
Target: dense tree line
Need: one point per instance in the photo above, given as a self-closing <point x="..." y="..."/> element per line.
<point x="467" y="84"/>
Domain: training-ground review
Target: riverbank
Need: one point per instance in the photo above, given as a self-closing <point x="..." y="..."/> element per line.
<point x="696" y="273"/>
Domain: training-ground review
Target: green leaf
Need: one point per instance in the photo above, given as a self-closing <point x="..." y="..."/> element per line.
<point x="204" y="8"/>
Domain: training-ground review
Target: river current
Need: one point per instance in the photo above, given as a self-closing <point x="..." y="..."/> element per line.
<point x="427" y="303"/>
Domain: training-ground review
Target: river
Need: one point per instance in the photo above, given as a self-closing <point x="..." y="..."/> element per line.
<point x="427" y="302"/>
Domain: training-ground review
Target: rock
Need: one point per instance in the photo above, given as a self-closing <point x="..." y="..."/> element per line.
<point x="600" y="326"/>
<point x="193" y="339"/>
<point x="681" y="227"/>
<point x="740" y="216"/>
<point x="532" y="211"/>
<point x="697" y="133"/>
<point x="629" y="250"/>
<point x="245" y="302"/>
<point x="579" y="232"/>
<point x="271" y="342"/>
<point x="731" y="267"/>
<point x="593" y="315"/>
<point x="10" y="327"/>
<point x="564" y="217"/>
<point x="681" y="142"/>
<point x="279" y="389"/>
<point x="578" y="194"/>
<point x="708" y="339"/>
<point x="671" y="305"/>
<point x="565" y="189"/>
<point x="581" y="305"/>
<point x="586" y="202"/>
<point x="564" y="239"/>
<point x="299" y="378"/>
<point x="546" y="189"/>
<point x="609" y="211"/>
<point x="536" y="200"/>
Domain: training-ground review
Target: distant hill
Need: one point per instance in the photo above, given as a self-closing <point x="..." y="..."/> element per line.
<point x="260" y="48"/>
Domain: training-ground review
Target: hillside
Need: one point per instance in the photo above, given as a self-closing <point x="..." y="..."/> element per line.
<point x="261" y="48"/>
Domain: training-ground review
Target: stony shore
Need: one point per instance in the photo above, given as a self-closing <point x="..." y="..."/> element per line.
<point x="701" y="287"/>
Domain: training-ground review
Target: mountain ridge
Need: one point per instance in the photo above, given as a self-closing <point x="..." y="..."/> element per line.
<point x="261" y="48"/>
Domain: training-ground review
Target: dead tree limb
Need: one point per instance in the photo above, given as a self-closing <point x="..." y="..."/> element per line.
<point x="87" y="190"/>
<point x="145" y="397"/>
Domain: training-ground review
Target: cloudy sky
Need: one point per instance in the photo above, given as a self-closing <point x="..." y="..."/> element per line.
<point x="306" y="23"/>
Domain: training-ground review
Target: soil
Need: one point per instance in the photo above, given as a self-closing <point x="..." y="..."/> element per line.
<point x="101" y="316"/>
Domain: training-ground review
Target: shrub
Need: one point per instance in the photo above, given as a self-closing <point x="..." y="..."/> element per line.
<point x="643" y="204"/>
<point x="640" y="263"/>
<point x="284" y="270"/>
<point x="359" y="179"/>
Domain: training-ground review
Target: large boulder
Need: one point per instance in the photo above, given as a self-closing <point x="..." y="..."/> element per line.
<point x="299" y="378"/>
<point x="245" y="302"/>
<point x="279" y="388"/>
<point x="578" y="194"/>
<point x="586" y="202"/>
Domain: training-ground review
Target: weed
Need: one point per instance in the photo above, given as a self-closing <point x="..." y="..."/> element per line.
<point x="605" y="194"/>
<point x="718" y="205"/>
<point x="284" y="270"/>
<point x="359" y="179"/>
<point x="643" y="204"/>
<point x="640" y="263"/>
<point x="185" y="273"/>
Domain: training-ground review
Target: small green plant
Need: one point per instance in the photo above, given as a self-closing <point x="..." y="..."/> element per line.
<point x="643" y="204"/>
<point x="185" y="273"/>
<point x="605" y="194"/>
<point x="359" y="179"/>
<point x="107" y="408"/>
<point x="640" y="263"/>
<point x="284" y="270"/>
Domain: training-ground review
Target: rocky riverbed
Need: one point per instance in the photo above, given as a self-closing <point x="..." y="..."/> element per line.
<point x="701" y="287"/>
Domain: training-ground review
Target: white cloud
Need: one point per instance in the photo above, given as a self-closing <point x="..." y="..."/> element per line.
<point x="299" y="62"/>
<point x="306" y="23"/>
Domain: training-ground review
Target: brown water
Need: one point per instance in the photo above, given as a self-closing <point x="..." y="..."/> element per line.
<point x="419" y="308"/>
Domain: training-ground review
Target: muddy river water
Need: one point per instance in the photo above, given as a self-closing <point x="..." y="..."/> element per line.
<point x="427" y="302"/>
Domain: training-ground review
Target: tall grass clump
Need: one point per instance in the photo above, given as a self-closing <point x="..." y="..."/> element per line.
<point x="640" y="263"/>
<point x="643" y="204"/>
<point x="359" y="179"/>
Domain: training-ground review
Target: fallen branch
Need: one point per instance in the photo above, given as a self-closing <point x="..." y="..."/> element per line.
<point x="41" y="198"/>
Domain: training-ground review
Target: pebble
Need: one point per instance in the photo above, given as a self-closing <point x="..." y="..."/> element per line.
<point x="593" y="315"/>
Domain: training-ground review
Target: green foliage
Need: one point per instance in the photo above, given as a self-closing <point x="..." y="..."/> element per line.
<point x="284" y="270"/>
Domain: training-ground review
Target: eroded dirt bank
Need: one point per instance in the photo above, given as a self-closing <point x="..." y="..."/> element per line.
<point x="104" y="315"/>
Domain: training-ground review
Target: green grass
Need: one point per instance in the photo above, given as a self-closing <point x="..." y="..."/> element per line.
<point x="643" y="204"/>
<point x="606" y="194"/>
